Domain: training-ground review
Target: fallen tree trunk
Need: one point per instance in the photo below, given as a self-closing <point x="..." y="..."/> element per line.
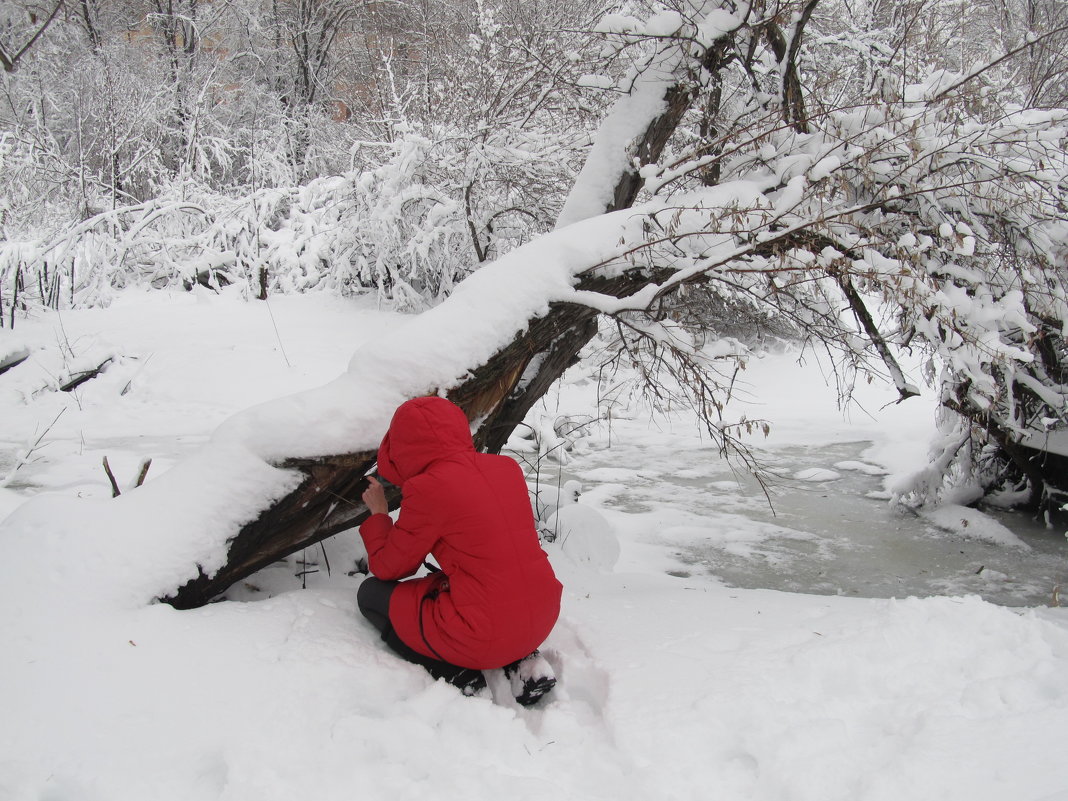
<point x="76" y="379"/>
<point x="13" y="359"/>
<point x="498" y="393"/>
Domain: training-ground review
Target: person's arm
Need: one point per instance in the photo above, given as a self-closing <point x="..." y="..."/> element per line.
<point x="396" y="550"/>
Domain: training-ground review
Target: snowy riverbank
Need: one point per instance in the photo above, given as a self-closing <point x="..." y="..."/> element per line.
<point x="672" y="686"/>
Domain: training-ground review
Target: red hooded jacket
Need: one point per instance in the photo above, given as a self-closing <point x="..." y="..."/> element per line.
<point x="497" y="597"/>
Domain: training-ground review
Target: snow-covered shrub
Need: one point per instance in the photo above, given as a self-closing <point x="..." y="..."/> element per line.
<point x="401" y="227"/>
<point x="242" y="138"/>
<point x="908" y="208"/>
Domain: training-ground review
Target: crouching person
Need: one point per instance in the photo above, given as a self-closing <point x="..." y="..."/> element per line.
<point x="495" y="598"/>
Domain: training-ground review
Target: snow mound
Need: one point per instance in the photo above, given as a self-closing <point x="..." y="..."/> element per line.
<point x="861" y="467"/>
<point x="546" y="499"/>
<point x="973" y="524"/>
<point x="585" y="536"/>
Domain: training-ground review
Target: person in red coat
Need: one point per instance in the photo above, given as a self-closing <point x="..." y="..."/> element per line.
<point x="495" y="598"/>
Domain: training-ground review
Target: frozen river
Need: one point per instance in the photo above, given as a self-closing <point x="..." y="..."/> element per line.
<point x="831" y="532"/>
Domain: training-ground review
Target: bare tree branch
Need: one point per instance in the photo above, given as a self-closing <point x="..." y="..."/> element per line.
<point x="10" y="61"/>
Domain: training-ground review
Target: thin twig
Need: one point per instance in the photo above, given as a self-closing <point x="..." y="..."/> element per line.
<point x="22" y="461"/>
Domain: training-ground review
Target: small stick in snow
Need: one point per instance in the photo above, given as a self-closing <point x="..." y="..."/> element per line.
<point x="115" y="493"/>
<point x="147" y="463"/>
<point x="143" y="471"/>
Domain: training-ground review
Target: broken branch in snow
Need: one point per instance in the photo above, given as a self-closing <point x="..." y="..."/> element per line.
<point x="115" y="493"/>
<point x="856" y="302"/>
<point x="77" y="379"/>
<point x="142" y="473"/>
<point x="23" y="458"/>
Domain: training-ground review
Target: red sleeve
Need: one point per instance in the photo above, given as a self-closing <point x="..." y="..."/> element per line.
<point x="396" y="550"/>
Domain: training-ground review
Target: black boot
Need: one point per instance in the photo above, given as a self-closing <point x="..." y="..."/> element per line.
<point x="469" y="680"/>
<point x="531" y="677"/>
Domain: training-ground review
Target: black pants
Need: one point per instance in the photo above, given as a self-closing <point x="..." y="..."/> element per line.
<point x="373" y="600"/>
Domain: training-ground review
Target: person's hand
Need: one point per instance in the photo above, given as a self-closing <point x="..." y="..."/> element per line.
<point x="374" y="497"/>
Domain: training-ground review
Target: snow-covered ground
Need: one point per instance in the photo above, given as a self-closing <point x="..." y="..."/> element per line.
<point x="672" y="684"/>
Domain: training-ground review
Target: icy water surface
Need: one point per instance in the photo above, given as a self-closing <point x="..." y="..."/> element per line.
<point x="821" y="536"/>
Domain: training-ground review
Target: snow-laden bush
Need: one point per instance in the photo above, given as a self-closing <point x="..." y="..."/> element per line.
<point x="875" y="216"/>
<point x="408" y="227"/>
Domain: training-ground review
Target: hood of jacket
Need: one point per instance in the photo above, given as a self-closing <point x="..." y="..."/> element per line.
<point x="422" y="431"/>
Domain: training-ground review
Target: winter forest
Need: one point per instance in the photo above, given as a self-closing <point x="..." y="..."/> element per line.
<point x="676" y="257"/>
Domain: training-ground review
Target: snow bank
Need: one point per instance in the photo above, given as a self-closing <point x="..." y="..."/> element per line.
<point x="669" y="685"/>
<point x="973" y="523"/>
<point x="862" y="467"/>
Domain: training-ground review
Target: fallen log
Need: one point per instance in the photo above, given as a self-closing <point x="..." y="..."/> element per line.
<point x="76" y="379"/>
<point x="498" y="393"/>
<point x="327" y="501"/>
<point x="13" y="359"/>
